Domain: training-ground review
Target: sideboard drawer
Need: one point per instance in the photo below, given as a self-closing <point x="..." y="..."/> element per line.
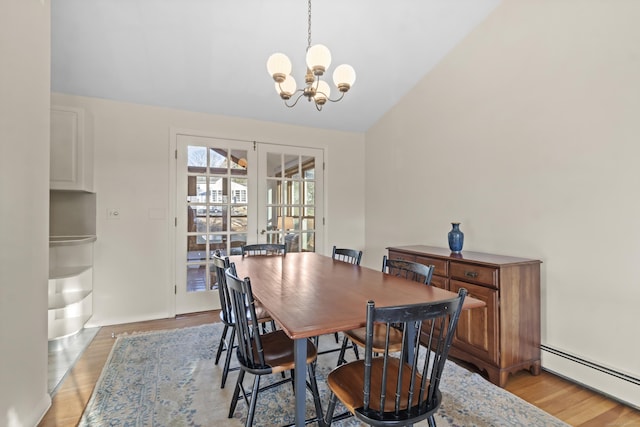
<point x="401" y="255"/>
<point x="440" y="282"/>
<point x="441" y="266"/>
<point x="475" y="274"/>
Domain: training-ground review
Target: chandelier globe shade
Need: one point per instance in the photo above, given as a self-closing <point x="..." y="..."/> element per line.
<point x="279" y="66"/>
<point x="323" y="92"/>
<point x="286" y="88"/>
<point x="318" y="61"/>
<point x="344" y="76"/>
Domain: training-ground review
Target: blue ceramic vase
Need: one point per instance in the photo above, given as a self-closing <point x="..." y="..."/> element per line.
<point x="456" y="238"/>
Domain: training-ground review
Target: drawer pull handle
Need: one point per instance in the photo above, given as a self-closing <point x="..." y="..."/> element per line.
<point x="471" y="274"/>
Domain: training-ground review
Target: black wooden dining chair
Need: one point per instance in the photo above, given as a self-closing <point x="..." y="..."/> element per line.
<point x="264" y="249"/>
<point x="352" y="256"/>
<point x="261" y="353"/>
<point x="226" y="315"/>
<point x="398" y="389"/>
<point x="407" y="269"/>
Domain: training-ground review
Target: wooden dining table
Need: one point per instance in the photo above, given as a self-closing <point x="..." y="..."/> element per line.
<point x="309" y="294"/>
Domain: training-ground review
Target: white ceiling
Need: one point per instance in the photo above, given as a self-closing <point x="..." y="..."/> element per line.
<point x="210" y="55"/>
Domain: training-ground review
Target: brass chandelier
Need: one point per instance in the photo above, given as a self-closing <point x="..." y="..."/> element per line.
<point x="318" y="59"/>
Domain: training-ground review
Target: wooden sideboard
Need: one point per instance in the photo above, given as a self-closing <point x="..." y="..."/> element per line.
<point x="504" y="336"/>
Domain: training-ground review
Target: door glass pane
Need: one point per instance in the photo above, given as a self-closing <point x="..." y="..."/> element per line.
<point x="196" y="277"/>
<point x="239" y="162"/>
<point x="272" y="191"/>
<point x="196" y="250"/>
<point x="237" y="242"/>
<point x="239" y="218"/>
<point x="196" y="158"/>
<point x="239" y="191"/>
<point x="295" y="192"/>
<point x="308" y="224"/>
<point x="308" y="243"/>
<point x="218" y="160"/>
<point x="291" y="166"/>
<point x="274" y="164"/>
<point x="309" y="193"/>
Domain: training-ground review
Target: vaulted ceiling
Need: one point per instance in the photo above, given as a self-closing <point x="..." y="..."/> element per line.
<point x="209" y="55"/>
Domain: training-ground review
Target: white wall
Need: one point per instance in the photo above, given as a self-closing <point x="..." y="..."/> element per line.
<point x="132" y="264"/>
<point x="528" y="134"/>
<point x="24" y="210"/>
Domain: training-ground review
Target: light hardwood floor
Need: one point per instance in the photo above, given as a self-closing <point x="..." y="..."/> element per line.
<point x="569" y="402"/>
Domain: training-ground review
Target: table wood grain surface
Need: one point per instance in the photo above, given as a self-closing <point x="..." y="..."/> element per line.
<point x="309" y="294"/>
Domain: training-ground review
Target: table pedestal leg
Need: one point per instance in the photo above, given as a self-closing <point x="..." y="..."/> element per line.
<point x="300" y="360"/>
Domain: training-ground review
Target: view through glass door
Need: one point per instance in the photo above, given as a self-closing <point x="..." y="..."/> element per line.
<point x="291" y="185"/>
<point x="213" y="213"/>
<point x="230" y="193"/>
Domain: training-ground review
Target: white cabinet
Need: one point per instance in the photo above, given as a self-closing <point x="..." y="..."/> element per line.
<point x="70" y="284"/>
<point x="71" y="164"/>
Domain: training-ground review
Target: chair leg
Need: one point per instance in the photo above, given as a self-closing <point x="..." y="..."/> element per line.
<point x="335" y="334"/>
<point x="314" y="390"/>
<point x="236" y="394"/>
<point x="432" y="421"/>
<point x="343" y="349"/>
<point x="222" y="342"/>
<point x="328" y="419"/>
<point x="355" y="350"/>
<point x="254" y="398"/>
<point x="227" y="360"/>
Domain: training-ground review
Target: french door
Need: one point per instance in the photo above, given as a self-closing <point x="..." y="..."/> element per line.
<point x="230" y="193"/>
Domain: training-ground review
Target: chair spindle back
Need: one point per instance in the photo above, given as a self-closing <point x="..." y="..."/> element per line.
<point x="221" y="263"/>
<point x="408" y="269"/>
<point x="264" y="249"/>
<point x="408" y="390"/>
<point x="250" y="351"/>
<point x="350" y="256"/>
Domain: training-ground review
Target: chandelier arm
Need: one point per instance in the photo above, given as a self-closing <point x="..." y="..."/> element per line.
<point x="316" y="83"/>
<point x="337" y="99"/>
<point x="296" y="101"/>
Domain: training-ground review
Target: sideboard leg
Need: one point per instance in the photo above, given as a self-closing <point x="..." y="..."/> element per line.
<point x="535" y="368"/>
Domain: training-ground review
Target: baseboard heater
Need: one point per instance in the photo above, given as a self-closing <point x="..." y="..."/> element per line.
<point x="595" y="366"/>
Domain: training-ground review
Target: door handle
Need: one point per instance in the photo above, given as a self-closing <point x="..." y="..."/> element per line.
<point x="263" y="231"/>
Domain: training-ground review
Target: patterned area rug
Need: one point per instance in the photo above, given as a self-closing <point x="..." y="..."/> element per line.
<point x="168" y="378"/>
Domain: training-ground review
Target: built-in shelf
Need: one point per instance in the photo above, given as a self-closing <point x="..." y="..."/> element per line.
<point x="70" y="240"/>
<point x="57" y="272"/>
<point x="70" y="302"/>
<point x="65" y="299"/>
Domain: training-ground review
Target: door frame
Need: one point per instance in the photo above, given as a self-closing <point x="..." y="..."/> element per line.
<point x="172" y="231"/>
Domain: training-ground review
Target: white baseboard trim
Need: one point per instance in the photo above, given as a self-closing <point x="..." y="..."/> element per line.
<point x="612" y="383"/>
<point x="38" y="413"/>
<point x="96" y="322"/>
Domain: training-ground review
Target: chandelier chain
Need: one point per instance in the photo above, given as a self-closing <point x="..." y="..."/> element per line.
<point x="309" y="27"/>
